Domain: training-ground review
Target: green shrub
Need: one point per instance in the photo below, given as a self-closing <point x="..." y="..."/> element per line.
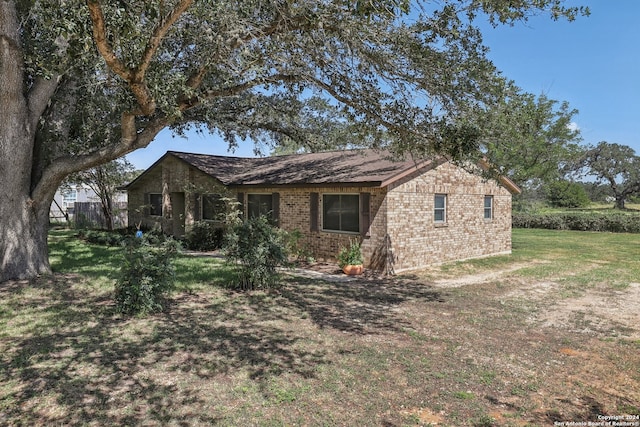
<point x="566" y="194"/>
<point x="255" y="248"/>
<point x="204" y="236"/>
<point x="102" y="237"/>
<point x="146" y="276"/>
<point x="583" y="221"/>
<point x="296" y="247"/>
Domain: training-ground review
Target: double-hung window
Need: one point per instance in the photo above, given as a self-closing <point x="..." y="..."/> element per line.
<point x="69" y="198"/>
<point x="259" y="204"/>
<point x="263" y="204"/>
<point x="488" y="207"/>
<point x="440" y="208"/>
<point x="155" y="202"/>
<point x="341" y="212"/>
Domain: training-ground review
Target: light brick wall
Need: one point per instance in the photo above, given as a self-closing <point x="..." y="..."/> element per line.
<point x="402" y="217"/>
<point x="170" y="176"/>
<point x="417" y="240"/>
<point x="324" y="245"/>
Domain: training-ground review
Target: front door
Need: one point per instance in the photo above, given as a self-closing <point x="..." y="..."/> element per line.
<point x="178" y="213"/>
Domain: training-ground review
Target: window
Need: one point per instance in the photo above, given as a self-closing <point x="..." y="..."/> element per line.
<point x="488" y="207"/>
<point x="155" y="200"/>
<point x="341" y="212"/>
<point x="69" y="197"/>
<point x="259" y="204"/>
<point x="440" y="208"/>
<point x="213" y="207"/>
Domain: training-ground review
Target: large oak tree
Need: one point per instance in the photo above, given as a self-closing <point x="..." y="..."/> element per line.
<point x="617" y="166"/>
<point x="85" y="82"/>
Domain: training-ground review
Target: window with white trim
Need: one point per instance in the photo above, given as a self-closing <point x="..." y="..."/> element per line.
<point x="488" y="207"/>
<point x="440" y="208"/>
<point x="341" y="212"/>
<point x="69" y="197"/>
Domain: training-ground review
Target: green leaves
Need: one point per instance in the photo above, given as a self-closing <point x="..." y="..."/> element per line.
<point x="412" y="77"/>
<point x="147" y="276"/>
<point x="616" y="165"/>
<point x="530" y="138"/>
<point x="256" y="249"/>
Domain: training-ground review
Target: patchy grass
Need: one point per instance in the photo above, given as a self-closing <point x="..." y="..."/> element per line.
<point x="479" y="343"/>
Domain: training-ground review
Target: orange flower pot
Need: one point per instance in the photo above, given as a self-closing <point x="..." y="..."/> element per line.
<point x="353" y="270"/>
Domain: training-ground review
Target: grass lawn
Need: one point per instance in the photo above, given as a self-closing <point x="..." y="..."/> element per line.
<point x="549" y="334"/>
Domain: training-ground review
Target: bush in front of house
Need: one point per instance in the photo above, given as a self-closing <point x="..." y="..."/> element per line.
<point x="256" y="249"/>
<point x="204" y="236"/>
<point x="582" y="221"/>
<point x="146" y="277"/>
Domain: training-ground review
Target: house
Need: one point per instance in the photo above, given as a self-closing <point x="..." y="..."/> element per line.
<point x="407" y="214"/>
<point x="73" y="199"/>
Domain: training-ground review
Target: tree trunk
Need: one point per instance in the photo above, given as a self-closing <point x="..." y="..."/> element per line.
<point x="620" y="202"/>
<point x="24" y="221"/>
<point x="23" y="239"/>
<point x="107" y="211"/>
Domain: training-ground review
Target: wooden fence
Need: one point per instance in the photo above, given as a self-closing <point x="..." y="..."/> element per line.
<point x="89" y="214"/>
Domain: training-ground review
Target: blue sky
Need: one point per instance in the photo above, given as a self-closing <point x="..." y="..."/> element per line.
<point x="593" y="63"/>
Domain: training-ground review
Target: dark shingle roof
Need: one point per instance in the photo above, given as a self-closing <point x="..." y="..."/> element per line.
<point x="345" y="167"/>
<point x="364" y="167"/>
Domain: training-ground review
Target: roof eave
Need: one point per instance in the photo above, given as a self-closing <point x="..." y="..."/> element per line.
<point x="410" y="170"/>
<point x="506" y="182"/>
<point x="369" y="184"/>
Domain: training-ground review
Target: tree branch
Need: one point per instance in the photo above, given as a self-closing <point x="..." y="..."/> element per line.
<point x="63" y="166"/>
<point x="234" y="90"/>
<point x="349" y="102"/>
<point x="135" y="78"/>
<point x="100" y="37"/>
<point x="156" y="38"/>
<point x="39" y="97"/>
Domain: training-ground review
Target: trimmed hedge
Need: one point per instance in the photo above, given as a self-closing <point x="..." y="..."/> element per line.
<point x="582" y="221"/>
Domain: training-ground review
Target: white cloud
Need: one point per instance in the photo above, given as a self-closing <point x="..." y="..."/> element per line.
<point x="573" y="126"/>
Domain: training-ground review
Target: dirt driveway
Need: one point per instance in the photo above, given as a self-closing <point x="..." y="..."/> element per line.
<point x="592" y="310"/>
<point x="550" y="354"/>
<point x="521" y="351"/>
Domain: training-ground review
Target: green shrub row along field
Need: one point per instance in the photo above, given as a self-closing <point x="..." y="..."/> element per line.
<point x="589" y="220"/>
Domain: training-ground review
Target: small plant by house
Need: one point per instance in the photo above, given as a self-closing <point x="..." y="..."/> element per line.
<point x="147" y="275"/>
<point x="350" y="255"/>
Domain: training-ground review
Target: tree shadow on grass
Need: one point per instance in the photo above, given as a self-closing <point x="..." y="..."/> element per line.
<point x="362" y="307"/>
<point x="68" y="359"/>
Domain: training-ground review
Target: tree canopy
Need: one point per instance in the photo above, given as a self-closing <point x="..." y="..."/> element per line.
<point x="617" y="166"/>
<point x="531" y="139"/>
<point x="85" y="82"/>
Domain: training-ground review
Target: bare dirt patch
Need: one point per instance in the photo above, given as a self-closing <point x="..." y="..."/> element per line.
<point x="615" y="312"/>
<point x="598" y="311"/>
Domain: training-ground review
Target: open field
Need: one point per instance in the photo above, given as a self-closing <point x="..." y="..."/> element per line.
<point x="547" y="335"/>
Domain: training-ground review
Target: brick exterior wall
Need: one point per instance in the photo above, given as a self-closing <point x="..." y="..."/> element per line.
<point x="402" y="235"/>
<point x="175" y="180"/>
<point x="417" y="240"/>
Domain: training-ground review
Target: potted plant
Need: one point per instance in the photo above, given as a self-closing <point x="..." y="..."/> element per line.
<point x="350" y="258"/>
